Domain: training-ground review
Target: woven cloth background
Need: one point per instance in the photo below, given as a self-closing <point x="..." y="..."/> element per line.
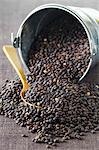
<point x="12" y="12"/>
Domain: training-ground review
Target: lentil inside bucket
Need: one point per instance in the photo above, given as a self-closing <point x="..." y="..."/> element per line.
<point x="62" y="46"/>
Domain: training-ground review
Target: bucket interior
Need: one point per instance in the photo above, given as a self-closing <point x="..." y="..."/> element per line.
<point x="36" y="22"/>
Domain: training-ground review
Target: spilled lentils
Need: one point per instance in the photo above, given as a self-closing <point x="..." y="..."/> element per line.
<point x="57" y="60"/>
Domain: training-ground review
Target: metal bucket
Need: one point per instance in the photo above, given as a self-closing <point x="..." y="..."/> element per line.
<point x="41" y="16"/>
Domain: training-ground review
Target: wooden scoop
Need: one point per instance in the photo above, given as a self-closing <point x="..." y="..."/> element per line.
<point x="11" y="54"/>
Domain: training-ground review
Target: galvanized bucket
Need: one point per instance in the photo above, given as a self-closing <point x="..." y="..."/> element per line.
<point x="41" y="16"/>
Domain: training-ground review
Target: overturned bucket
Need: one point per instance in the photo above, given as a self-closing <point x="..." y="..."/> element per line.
<point x="43" y="15"/>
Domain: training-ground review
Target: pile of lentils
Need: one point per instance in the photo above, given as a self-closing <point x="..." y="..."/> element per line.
<point x="57" y="60"/>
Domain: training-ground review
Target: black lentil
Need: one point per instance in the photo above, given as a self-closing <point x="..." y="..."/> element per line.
<point x="57" y="61"/>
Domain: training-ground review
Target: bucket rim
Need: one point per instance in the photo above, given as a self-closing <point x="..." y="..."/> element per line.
<point x="71" y="11"/>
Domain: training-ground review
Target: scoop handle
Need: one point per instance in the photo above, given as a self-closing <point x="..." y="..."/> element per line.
<point x="11" y="54"/>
